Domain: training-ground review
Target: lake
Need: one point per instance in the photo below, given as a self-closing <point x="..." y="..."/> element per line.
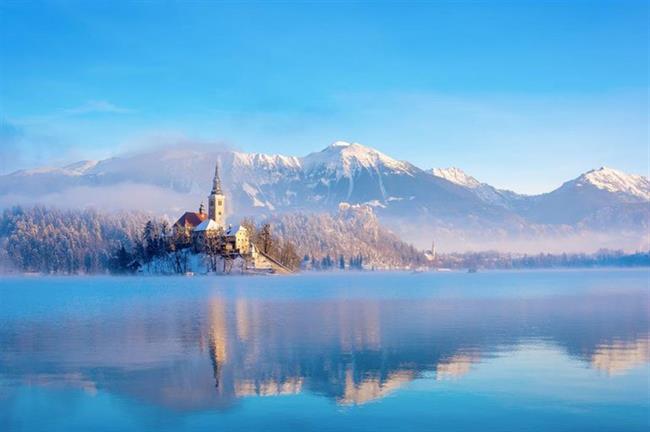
<point x="491" y="351"/>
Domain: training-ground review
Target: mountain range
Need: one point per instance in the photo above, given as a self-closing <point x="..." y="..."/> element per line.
<point x="600" y="208"/>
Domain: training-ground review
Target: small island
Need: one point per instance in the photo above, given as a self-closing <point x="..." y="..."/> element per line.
<point x="204" y="243"/>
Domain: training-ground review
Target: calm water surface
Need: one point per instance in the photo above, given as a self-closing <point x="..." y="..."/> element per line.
<point x="519" y="351"/>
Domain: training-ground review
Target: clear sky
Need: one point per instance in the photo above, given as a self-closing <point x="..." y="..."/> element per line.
<point x="520" y="94"/>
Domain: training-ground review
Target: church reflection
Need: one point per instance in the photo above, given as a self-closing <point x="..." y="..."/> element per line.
<point x="209" y="354"/>
<point x="357" y="351"/>
<point x="619" y="357"/>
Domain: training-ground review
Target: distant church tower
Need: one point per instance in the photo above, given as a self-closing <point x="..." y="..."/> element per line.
<point x="217" y="200"/>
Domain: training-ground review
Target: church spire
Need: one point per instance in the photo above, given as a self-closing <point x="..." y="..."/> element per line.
<point x="216" y="182"/>
<point x="217" y="200"/>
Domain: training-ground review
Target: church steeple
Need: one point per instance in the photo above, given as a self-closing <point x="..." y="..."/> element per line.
<point x="216" y="181"/>
<point x="217" y="200"/>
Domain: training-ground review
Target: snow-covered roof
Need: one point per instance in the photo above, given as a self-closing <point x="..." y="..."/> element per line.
<point x="207" y="225"/>
<point x="234" y="229"/>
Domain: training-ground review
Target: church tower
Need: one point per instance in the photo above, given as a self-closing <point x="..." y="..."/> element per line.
<point x="217" y="201"/>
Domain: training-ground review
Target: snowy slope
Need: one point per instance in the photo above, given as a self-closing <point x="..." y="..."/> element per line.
<point x="345" y="159"/>
<point x="456" y="175"/>
<point x="615" y="181"/>
<point x="598" y="191"/>
<point x="401" y="193"/>
<point x="483" y="191"/>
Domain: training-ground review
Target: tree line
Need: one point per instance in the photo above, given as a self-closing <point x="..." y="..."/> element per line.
<point x="328" y="263"/>
<point x="499" y="260"/>
<point x="50" y="240"/>
<point x="46" y="240"/>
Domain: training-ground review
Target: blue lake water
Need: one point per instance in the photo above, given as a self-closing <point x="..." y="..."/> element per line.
<point x="494" y="351"/>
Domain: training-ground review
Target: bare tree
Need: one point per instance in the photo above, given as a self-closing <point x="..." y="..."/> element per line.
<point x="214" y="247"/>
<point x="266" y="238"/>
<point x="288" y="256"/>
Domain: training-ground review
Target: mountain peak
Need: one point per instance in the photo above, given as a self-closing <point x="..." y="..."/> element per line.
<point x="612" y="180"/>
<point x="346" y="158"/>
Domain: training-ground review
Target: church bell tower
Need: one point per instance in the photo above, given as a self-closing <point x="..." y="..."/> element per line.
<point x="217" y="200"/>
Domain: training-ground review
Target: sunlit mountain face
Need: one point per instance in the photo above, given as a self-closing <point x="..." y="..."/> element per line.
<point x="210" y="345"/>
<point x="601" y="208"/>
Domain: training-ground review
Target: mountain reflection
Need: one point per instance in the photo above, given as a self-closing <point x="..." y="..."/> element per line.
<point x="209" y="353"/>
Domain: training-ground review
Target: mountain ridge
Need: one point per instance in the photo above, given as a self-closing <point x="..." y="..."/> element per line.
<point x="442" y="203"/>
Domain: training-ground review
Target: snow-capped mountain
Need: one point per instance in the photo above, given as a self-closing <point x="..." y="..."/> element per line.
<point x="617" y="182"/>
<point x="600" y="190"/>
<point x="344" y="159"/>
<point x="458" y="176"/>
<point x="483" y="191"/>
<point x="421" y="204"/>
<point x="350" y="172"/>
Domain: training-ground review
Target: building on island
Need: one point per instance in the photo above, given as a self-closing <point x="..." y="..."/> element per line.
<point x="208" y="233"/>
<point x="217" y="200"/>
<point x="430" y="255"/>
<point x="189" y="221"/>
<point x="204" y="233"/>
<point x="238" y="238"/>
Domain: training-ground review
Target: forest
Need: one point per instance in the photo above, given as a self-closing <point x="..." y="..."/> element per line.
<point x="56" y="241"/>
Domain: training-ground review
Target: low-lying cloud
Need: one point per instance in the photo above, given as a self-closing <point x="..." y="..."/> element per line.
<point x="122" y="196"/>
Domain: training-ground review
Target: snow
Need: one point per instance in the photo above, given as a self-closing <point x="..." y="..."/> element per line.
<point x="74" y="169"/>
<point x="207" y="225"/>
<point x="257" y="202"/>
<point x="81" y="167"/>
<point x="616" y="181"/>
<point x="234" y="229"/>
<point x="346" y="159"/>
<point x="375" y="203"/>
<point x="250" y="190"/>
<point x="40" y="170"/>
<point x="456" y="175"/>
<point x="483" y="191"/>
<point x="268" y="161"/>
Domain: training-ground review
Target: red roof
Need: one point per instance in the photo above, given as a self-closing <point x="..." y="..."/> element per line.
<point x="191" y="219"/>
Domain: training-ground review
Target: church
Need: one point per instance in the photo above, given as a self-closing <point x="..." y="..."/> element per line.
<point x="208" y="233"/>
<point x="201" y="227"/>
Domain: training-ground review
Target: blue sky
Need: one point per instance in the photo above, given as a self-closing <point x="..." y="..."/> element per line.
<point x="520" y="94"/>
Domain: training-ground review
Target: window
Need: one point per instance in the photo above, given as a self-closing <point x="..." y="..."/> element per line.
<point x="220" y="202"/>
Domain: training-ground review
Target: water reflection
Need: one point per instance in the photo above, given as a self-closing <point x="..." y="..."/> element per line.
<point x="189" y="354"/>
<point x="619" y="357"/>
